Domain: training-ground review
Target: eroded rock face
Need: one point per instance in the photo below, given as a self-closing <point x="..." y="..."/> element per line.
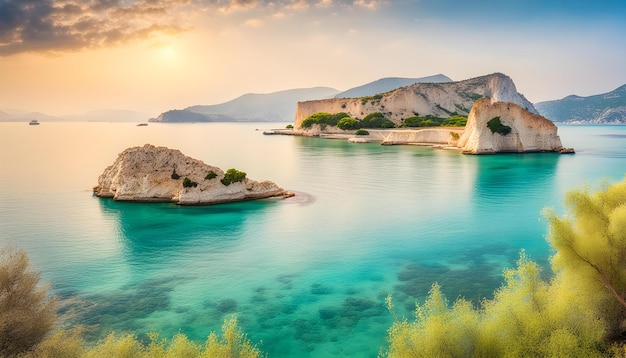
<point x="530" y="132"/>
<point x="438" y="99"/>
<point x="145" y="174"/>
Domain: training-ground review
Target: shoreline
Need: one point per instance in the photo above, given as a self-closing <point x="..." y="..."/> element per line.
<point x="434" y="137"/>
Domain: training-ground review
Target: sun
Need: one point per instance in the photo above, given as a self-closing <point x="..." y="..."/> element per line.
<point x="167" y="54"/>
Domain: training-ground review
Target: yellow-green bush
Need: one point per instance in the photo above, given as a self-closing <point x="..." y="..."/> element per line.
<point x="230" y="343"/>
<point x="27" y="314"/>
<point x="580" y="312"/>
<point x="528" y="317"/>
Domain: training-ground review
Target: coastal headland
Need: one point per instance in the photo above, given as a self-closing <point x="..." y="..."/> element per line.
<point x="499" y="119"/>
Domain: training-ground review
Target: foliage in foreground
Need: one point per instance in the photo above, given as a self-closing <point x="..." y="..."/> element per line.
<point x="26" y="312"/>
<point x="231" y="343"/>
<point x="28" y="315"/>
<point x="580" y="312"/>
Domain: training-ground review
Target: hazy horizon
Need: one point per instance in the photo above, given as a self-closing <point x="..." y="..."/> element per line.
<point x="65" y="57"/>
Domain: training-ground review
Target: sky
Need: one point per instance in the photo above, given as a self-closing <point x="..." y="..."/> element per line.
<point x="72" y="56"/>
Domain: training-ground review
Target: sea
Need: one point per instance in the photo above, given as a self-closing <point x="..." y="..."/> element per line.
<point x="306" y="276"/>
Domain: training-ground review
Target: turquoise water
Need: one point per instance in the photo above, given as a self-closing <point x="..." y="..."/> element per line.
<point x="307" y="276"/>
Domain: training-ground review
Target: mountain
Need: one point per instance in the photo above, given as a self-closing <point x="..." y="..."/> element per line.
<point x="103" y="115"/>
<point x="108" y="115"/>
<point x="252" y="107"/>
<point x="18" y="115"/>
<point x="387" y="84"/>
<point x="607" y="108"/>
<point x="438" y="99"/>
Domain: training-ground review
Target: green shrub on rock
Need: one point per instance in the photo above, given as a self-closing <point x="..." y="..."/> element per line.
<point x="376" y="120"/>
<point x="210" y="175"/>
<point x="348" y="123"/>
<point x="496" y="126"/>
<point x="323" y="119"/>
<point x="232" y="176"/>
<point x="362" y="132"/>
<point x="455" y="121"/>
<point x="188" y="183"/>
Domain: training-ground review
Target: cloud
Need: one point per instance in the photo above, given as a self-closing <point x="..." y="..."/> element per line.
<point x="254" y="22"/>
<point x="325" y="3"/>
<point x="73" y="25"/>
<point x="370" y="4"/>
<point x="237" y="5"/>
<point x="68" y="25"/>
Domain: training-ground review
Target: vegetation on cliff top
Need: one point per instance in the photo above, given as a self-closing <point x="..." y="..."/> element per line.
<point x="378" y="120"/>
<point x="323" y="119"/>
<point x="233" y="175"/>
<point x="432" y="121"/>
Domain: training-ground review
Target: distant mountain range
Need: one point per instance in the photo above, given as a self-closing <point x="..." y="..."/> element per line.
<point x="281" y="106"/>
<point x="607" y="108"/>
<point x="103" y="115"/>
<point x="252" y="107"/>
<point x="387" y="84"/>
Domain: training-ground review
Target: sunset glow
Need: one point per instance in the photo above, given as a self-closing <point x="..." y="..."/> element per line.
<point x="153" y="56"/>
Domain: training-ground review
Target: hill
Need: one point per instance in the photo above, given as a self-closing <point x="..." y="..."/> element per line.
<point x="387" y="84"/>
<point x="607" y="108"/>
<point x="252" y="107"/>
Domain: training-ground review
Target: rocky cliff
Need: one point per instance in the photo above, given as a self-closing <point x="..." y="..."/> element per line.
<point x="529" y="132"/>
<point x="438" y="99"/>
<point x="145" y="174"/>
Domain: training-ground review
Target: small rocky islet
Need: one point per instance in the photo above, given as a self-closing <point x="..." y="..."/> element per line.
<point x="161" y="174"/>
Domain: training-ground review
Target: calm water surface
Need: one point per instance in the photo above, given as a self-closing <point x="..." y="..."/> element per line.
<point x="307" y="276"/>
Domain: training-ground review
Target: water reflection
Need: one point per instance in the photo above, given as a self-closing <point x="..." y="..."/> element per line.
<point x="152" y="232"/>
<point x="507" y="175"/>
<point x="164" y="249"/>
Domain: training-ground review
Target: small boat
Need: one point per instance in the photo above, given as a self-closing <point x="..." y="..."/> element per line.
<point x="142" y="124"/>
<point x="33" y="123"/>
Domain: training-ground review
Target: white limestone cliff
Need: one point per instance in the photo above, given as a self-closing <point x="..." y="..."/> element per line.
<point x="145" y="174"/>
<point x="530" y="132"/>
<point x="438" y="99"/>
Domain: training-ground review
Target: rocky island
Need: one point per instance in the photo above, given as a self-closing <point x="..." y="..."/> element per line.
<point x="160" y="174"/>
<point x="499" y="119"/>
